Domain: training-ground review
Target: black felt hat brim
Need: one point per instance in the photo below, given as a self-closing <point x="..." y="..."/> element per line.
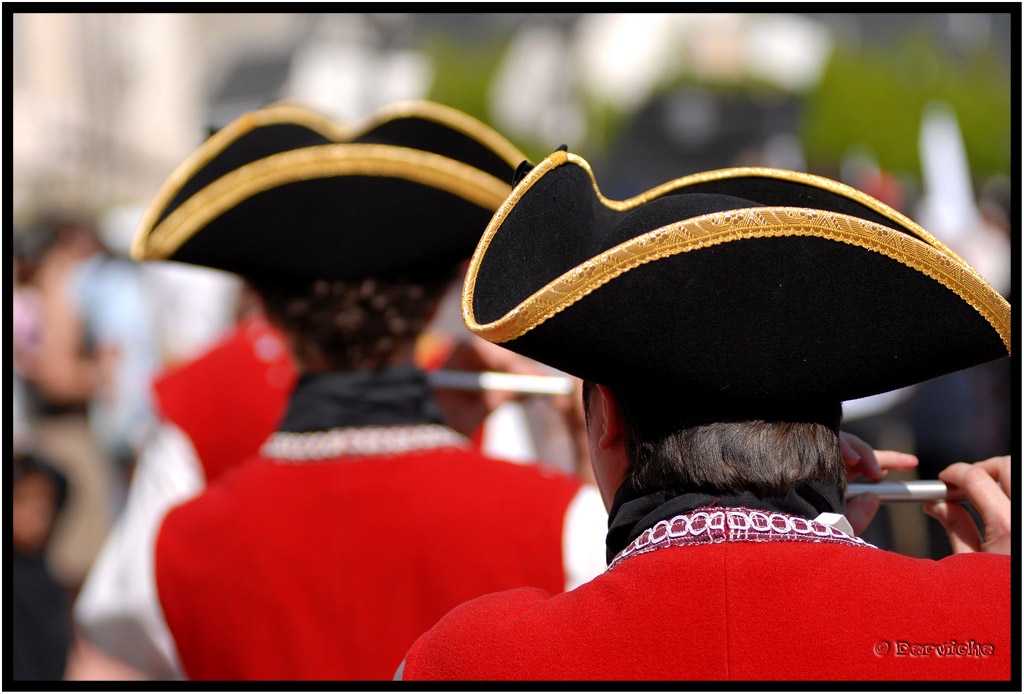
<point x="740" y="299"/>
<point x="286" y="192"/>
<point x="335" y="211"/>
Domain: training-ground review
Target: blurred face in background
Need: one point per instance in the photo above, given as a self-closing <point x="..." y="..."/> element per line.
<point x="34" y="510"/>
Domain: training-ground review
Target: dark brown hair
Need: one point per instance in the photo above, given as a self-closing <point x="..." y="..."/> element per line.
<point x="351" y="324"/>
<point x="726" y="451"/>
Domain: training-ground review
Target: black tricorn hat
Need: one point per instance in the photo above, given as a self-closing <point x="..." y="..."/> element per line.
<point x="741" y="286"/>
<point x="286" y="192"/>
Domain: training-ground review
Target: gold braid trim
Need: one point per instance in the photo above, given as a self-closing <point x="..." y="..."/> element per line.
<point x="552" y="161"/>
<point x="735" y="225"/>
<point x="828" y="184"/>
<point x="454" y="119"/>
<point x="272" y="115"/>
<point x="285" y="112"/>
<point x="322" y="161"/>
<point x="821" y="182"/>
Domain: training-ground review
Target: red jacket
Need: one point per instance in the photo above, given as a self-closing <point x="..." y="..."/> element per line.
<point x="742" y="606"/>
<point x="244" y="382"/>
<point x="330" y="569"/>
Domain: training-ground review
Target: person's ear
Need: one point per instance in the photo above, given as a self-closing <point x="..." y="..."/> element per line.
<point x="607" y="443"/>
<point x="610" y="422"/>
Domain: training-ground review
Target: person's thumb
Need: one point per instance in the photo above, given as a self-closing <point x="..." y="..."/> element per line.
<point x="963" y="534"/>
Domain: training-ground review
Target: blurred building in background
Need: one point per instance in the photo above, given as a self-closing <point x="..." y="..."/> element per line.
<point x="104" y="105"/>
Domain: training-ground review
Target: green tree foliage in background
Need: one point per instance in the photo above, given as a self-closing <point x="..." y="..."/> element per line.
<point x="870" y="96"/>
<point x="463" y="72"/>
<point x="874" y="96"/>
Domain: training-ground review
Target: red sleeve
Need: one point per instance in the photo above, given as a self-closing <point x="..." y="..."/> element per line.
<point x="231" y="398"/>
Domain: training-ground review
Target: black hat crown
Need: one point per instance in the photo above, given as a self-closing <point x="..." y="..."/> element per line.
<point x="742" y="285"/>
<point x="287" y="192"/>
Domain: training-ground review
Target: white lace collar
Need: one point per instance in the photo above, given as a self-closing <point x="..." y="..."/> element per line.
<point x="360" y="441"/>
<point x="715" y="525"/>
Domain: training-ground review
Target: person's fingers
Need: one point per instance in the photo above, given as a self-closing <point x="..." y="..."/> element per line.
<point x="963" y="534"/>
<point x="858" y="458"/>
<point x="999" y="469"/>
<point x="861" y="459"/>
<point x="986" y="485"/>
<point x="981" y="489"/>
<point x="850" y="454"/>
<point x="861" y="509"/>
<point x="895" y="460"/>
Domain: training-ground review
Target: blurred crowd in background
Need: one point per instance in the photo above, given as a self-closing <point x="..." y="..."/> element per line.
<point x="912" y="109"/>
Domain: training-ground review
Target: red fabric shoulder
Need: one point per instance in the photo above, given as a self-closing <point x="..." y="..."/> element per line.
<point x="230" y="399"/>
<point x="740" y="611"/>
<point x="444" y="653"/>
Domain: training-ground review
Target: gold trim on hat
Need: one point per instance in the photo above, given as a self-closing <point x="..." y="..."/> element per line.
<point x="712" y="230"/>
<point x="321" y="161"/>
<point x="812" y="180"/>
<point x="552" y="161"/>
<point x="279" y="114"/>
<point x="451" y="117"/>
<point x="289" y="113"/>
